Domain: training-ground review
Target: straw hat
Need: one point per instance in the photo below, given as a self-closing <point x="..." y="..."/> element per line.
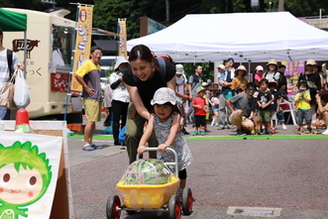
<point x="241" y="68"/>
<point x="221" y="67"/>
<point x="272" y="62"/>
<point x="310" y="62"/>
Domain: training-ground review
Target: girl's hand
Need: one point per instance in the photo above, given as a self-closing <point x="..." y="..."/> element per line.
<point x="141" y="149"/>
<point x="162" y="147"/>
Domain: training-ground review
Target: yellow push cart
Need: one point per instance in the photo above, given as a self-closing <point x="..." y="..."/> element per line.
<point x="152" y="197"/>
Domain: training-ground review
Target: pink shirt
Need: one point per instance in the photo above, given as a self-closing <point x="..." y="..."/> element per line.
<point x="257" y="78"/>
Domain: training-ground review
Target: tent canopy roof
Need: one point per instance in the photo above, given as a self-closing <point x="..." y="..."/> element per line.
<point x="255" y="37"/>
<point x="12" y="21"/>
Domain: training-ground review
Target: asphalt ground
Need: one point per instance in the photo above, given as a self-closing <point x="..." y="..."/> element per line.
<point x="285" y="171"/>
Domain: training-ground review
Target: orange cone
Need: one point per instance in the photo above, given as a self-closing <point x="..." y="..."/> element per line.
<point x="22" y="121"/>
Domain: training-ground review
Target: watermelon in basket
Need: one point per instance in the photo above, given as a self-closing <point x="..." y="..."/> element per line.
<point x="147" y="172"/>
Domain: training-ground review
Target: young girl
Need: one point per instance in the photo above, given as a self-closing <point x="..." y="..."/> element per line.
<point x="166" y="123"/>
<point x="258" y="74"/>
<point x="303" y="108"/>
<point x="215" y="106"/>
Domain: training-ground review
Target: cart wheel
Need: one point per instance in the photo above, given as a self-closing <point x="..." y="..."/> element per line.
<point x="113" y="205"/>
<point x="174" y="207"/>
<point x="187" y="201"/>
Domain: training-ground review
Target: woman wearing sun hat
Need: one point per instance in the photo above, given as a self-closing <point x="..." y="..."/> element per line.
<point x="239" y="81"/>
<point x="272" y="72"/>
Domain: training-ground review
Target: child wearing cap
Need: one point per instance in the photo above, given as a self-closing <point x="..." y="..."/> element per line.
<point x="258" y="74"/>
<point x="200" y="108"/>
<point x="166" y="124"/>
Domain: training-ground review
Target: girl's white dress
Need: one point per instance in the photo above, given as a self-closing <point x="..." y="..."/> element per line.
<point x="162" y="131"/>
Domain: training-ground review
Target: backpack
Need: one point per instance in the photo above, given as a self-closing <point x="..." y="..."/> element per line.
<point x="162" y="68"/>
<point x="273" y="77"/>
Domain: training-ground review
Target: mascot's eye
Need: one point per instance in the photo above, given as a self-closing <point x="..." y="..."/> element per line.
<point x="6" y="177"/>
<point x="32" y="180"/>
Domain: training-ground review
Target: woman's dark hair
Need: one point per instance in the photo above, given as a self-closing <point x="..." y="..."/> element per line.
<point x="141" y="52"/>
<point x="323" y="95"/>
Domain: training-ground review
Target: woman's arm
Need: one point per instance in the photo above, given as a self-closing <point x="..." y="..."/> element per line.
<point x="321" y="108"/>
<point x="173" y="133"/>
<point x="136" y="100"/>
<point x="233" y="84"/>
<point x="146" y="135"/>
<point x="171" y="84"/>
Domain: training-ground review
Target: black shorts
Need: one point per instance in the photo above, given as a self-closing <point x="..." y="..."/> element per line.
<point x="199" y="121"/>
<point x="183" y="174"/>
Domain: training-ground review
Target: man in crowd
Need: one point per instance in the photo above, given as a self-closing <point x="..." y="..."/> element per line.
<point x="243" y="106"/>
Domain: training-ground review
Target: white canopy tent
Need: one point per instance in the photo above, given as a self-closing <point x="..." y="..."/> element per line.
<point x="246" y="37"/>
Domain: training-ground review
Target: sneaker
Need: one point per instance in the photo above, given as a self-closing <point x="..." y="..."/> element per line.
<point x="284" y="127"/>
<point x="220" y="127"/>
<point x="88" y="147"/>
<point x="306" y="131"/>
<point x="96" y="147"/>
<point x="195" y="133"/>
<point x="298" y="130"/>
<point x="269" y="132"/>
<point x="230" y="126"/>
<point x="216" y="124"/>
<point x="325" y="132"/>
<point x="240" y="132"/>
<point x="184" y="131"/>
<point x="273" y="131"/>
<point x="207" y="130"/>
<point x="202" y="133"/>
<point x="259" y="132"/>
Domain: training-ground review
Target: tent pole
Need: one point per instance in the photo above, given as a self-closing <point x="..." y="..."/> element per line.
<point x="25" y="50"/>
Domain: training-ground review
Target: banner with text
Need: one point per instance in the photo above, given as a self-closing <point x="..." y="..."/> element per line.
<point x="82" y="43"/>
<point x="122" y="50"/>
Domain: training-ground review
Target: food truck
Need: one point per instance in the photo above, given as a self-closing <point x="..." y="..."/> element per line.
<point x="50" y="39"/>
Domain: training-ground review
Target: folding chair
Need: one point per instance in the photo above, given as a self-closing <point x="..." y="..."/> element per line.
<point x="287" y="106"/>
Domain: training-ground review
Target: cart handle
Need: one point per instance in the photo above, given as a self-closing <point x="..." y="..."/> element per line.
<point x="174" y="163"/>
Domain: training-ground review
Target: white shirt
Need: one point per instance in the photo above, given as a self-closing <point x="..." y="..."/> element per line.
<point x="120" y="93"/>
<point x="4" y="70"/>
<point x="180" y="82"/>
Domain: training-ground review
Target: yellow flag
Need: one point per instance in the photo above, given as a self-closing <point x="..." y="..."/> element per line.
<point x="82" y="44"/>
